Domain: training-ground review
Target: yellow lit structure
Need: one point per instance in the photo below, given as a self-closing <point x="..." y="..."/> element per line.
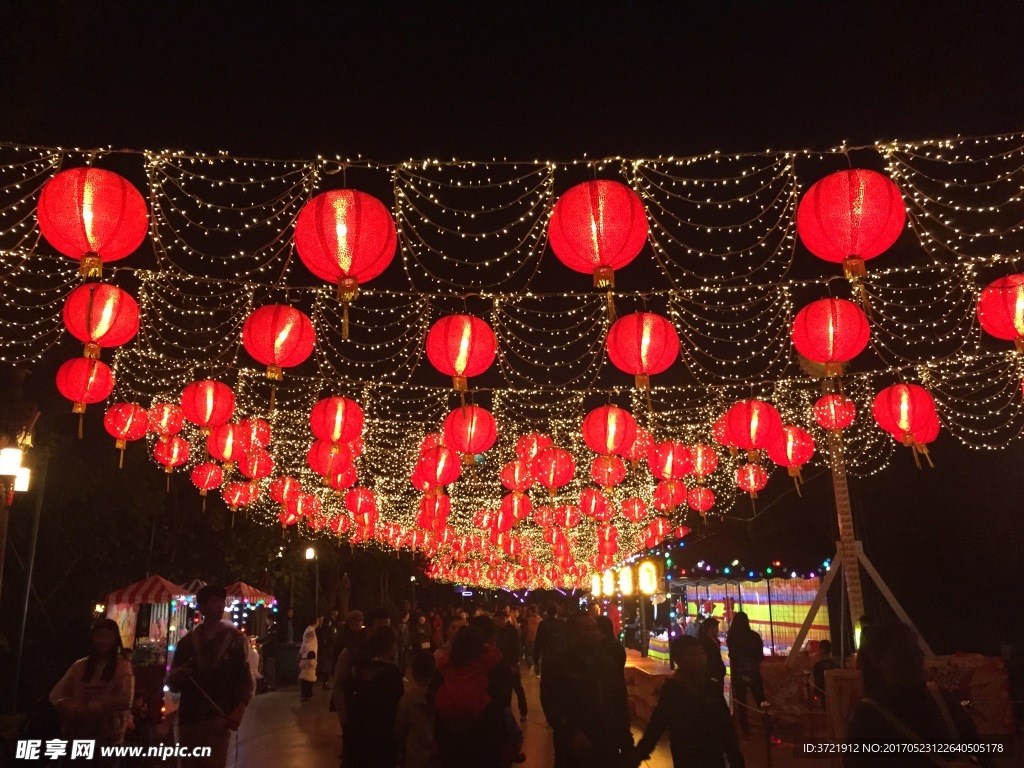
<point x="608" y="583"/>
<point x="626" y="582"/>
<point x="647" y="578"/>
<point x="595" y="585"/>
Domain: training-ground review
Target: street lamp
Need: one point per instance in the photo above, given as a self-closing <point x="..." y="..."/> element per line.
<point x="311" y="555"/>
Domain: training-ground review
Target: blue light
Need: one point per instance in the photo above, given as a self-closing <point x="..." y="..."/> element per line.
<point x="725" y="570"/>
<point x="750" y="574"/>
<point x="669" y="576"/>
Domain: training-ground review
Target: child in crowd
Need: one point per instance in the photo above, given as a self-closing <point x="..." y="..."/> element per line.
<point x="414" y="724"/>
<point x="307" y="676"/>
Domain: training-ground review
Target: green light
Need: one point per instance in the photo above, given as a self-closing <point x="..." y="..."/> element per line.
<point x="767" y="570"/>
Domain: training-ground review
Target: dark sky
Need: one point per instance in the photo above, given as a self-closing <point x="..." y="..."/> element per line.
<point x="553" y="81"/>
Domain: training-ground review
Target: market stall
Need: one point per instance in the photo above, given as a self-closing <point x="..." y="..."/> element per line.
<point x="151" y="617"/>
<point x="248" y="607"/>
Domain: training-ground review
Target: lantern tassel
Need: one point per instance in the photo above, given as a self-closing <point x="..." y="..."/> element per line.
<point x="204" y="504"/>
<point x="81" y="416"/>
<point x="344" y="321"/>
<point x="232" y="518"/>
<point x="168" y="483"/>
<point x="796" y="482"/>
<point x="922" y="448"/>
<point x="120" y="462"/>
<point x="273" y="397"/>
<point x="917" y="459"/>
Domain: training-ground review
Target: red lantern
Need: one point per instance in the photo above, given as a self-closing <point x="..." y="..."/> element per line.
<point x="834" y="412"/>
<point x="434" y="511"/>
<point x="336" y="420"/>
<point x="700" y="498"/>
<point x="1001" y="309"/>
<point x="553" y="467"/>
<point x="345" y="237"/>
<point x="166" y="419"/>
<point x="567" y="516"/>
<point x="705" y="460"/>
<point x="543" y="516"/>
<point x="530" y="444"/>
<point x="283" y="488"/>
<point x="751" y="478"/>
<point x="362" y="505"/>
<point x="792" y="450"/>
<point x="470" y="430"/>
<point x="851" y="216"/>
<point x="607" y="471"/>
<point x="753" y="424"/>
<point x="84" y="382"/>
<point x="669" y="460"/>
<point x="641" y="445"/>
<point x="518" y="505"/>
<point x="207" y="404"/>
<point x="609" y="429"/>
<point x="171" y="452"/>
<point x="237" y="495"/>
<point x="904" y="410"/>
<point x="607" y="539"/>
<point x="328" y="459"/>
<point x="669" y="494"/>
<point x="252" y="433"/>
<point x="643" y="344"/>
<point x="431" y="440"/>
<point x="461" y="346"/>
<point x="720" y="431"/>
<point x="286" y="518"/>
<point x="224" y="444"/>
<point x="681" y="532"/>
<point x="634" y="509"/>
<point x="597" y="227"/>
<point x="656" y="531"/>
<point x="256" y="464"/>
<point x="101" y="315"/>
<point x="340" y="525"/>
<point x="594" y="504"/>
<point x="206" y="477"/>
<point x="304" y="505"/>
<point x="126" y="422"/>
<point x="278" y="336"/>
<point x="831" y="331"/>
<point x="92" y="215"/>
<point x="516" y="475"/>
<point x="343" y="478"/>
<point x="441" y="466"/>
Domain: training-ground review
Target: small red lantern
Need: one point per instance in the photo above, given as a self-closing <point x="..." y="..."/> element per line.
<point x="639" y="448"/>
<point x="126" y="422"/>
<point x="328" y="459"/>
<point x="567" y="516"/>
<point x="904" y="410"/>
<point x="607" y="471"/>
<point x="344" y="478"/>
<point x="345" y="237"/>
<point x="206" y="477"/>
<point x="834" y="412"/>
<point x="553" y="467"/>
<point x="597" y="227"/>
<point x="224" y="444"/>
<point x="256" y="464"/>
<point x="609" y="429"/>
<point x="278" y="336"/>
<point x="101" y="315"/>
<point x="700" y="498"/>
<point x="831" y="332"/>
<point x="441" y="466"/>
<point x="252" y="433"/>
<point x="656" y="531"/>
<point x="543" y="516"/>
<point x="283" y="488"/>
<point x="669" y="460"/>
<point x="207" y="404"/>
<point x="705" y="460"/>
<point x="362" y="505"/>
<point x="751" y="478"/>
<point x="516" y="475"/>
<point x="518" y="505"/>
<point x="166" y="419"/>
<point x="304" y="505"/>
<point x="470" y="430"/>
<point x="84" y="382"/>
<point x="643" y="344"/>
<point x="434" y="511"/>
<point x="851" y="216"/>
<point x="340" y="525"/>
<point x="461" y="346"/>
<point x="336" y="420"/>
<point x="238" y="495"/>
<point x="792" y="450"/>
<point x="634" y="509"/>
<point x="92" y="215"/>
<point x="753" y="424"/>
<point x="669" y="494"/>
<point x="171" y="452"/>
<point x="1001" y="309"/>
<point x="594" y="505"/>
<point x="286" y="518"/>
<point x="530" y="444"/>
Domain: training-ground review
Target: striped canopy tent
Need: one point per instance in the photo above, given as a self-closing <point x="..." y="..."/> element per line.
<point x="248" y="593"/>
<point x="151" y="590"/>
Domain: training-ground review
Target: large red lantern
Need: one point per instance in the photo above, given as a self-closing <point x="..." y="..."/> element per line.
<point x="634" y="509"/>
<point x="101" y="316"/>
<point x="347" y="238"/>
<point x="282" y="489"/>
<point x="851" y="216"/>
<point x="643" y="344"/>
<point x="84" y="382"/>
<point x="441" y="466"/>
<point x="597" y="227"/>
<point x="607" y="471"/>
<point x="470" y="430"/>
<point x="361" y="503"/>
<point x="669" y="494"/>
<point x="594" y="504"/>
<point x="278" y="336"/>
<point x="126" y="422"/>
<point x="224" y="443"/>
<point x="172" y="452"/>
<point x="518" y="505"/>
<point x="328" y="459"/>
<point x="669" y="460"/>
<point x="609" y="429"/>
<point x="700" y="498"/>
<point x="92" y="215"/>
<point x="336" y="420"/>
<point x="705" y="460"/>
<point x="1001" y="309"/>
<point x="530" y="444"/>
<point x="751" y="478"/>
<point x="516" y="475"/>
<point x="793" y="448"/>
<point x="753" y="424"/>
<point x="206" y="477"/>
<point x="207" y="404"/>
<point x="461" y="346"/>
<point x="166" y="419"/>
<point x="834" y="412"/>
<point x="553" y="467"/>
<point x="252" y="433"/>
<point x="831" y="331"/>
<point x="904" y="410"/>
<point x="256" y="464"/>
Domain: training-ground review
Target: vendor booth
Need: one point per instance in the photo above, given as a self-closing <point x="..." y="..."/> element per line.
<point x="151" y="617"/>
<point x="249" y="608"/>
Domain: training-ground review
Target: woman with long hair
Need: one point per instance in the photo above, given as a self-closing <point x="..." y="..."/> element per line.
<point x="94" y="697"/>
<point x="746" y="652"/>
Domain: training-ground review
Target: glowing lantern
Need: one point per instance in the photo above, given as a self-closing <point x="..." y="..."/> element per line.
<point x="166" y="419"/>
<point x="238" y="495"/>
<point x="283" y="488"/>
<point x="903" y="410"/>
<point x="126" y="422"/>
<point x="530" y="444"/>
<point x="206" y="477"/>
<point x="518" y="505"/>
<point x="434" y="511"/>
<point x="834" y="412"/>
<point x="609" y="429"/>
<point x="278" y="336"/>
<point x="669" y="494"/>
<point x="84" y="382"/>
<point x="567" y="516"/>
<point x="207" y="404"/>
<point x="638" y="449"/>
<point x="753" y="424"/>
<point x="751" y="478"/>
<point x="722" y="434"/>
<point x="705" y="460"/>
<point x="304" y="505"/>
<point x="643" y="344"/>
<point x="461" y="346"/>
<point x="831" y="331"/>
<point x="849" y="217"/>
<point x="553" y="467"/>
<point x="224" y="445"/>
<point x="516" y="475"/>
<point x="597" y="227"/>
<point x="256" y="464"/>
<point x="669" y="460"/>
<point x="101" y="315"/>
<point x="431" y="440"/>
<point x="92" y="215"/>
<point x="607" y="539"/>
<point x="634" y="509"/>
<point x="361" y="503"/>
<point x="441" y="466"/>
<point x="171" y="452"/>
<point x="792" y="450"/>
<point x="336" y="420"/>
<point x="470" y="430"/>
<point x="344" y="478"/>
<point x="347" y="238"/>
<point x="252" y="433"/>
<point x="656" y="531"/>
<point x="1001" y="309"/>
<point x="328" y="459"/>
<point x="286" y="518"/>
<point x="700" y="499"/>
<point x="607" y="471"/>
<point x="340" y="525"/>
<point x="594" y="504"/>
<point x="543" y="516"/>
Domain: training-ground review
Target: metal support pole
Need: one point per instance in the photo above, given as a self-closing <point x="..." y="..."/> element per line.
<point x="5" y="516"/>
<point x="37" y="512"/>
<point x="642" y="603"/>
<point x="316" y="594"/>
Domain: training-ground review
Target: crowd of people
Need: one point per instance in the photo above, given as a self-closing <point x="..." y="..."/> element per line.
<point x="443" y="689"/>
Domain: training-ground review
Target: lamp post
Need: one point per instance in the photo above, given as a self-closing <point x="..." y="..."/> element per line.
<point x="311" y="555"/>
<point x="13" y="477"/>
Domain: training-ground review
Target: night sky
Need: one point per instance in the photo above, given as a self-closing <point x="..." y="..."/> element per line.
<point x="555" y="81"/>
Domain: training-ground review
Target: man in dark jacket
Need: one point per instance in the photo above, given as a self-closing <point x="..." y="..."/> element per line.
<point x="550" y="636"/>
<point x="511" y="651"/>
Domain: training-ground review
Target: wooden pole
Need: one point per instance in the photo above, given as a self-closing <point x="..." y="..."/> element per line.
<point x="847" y="546"/>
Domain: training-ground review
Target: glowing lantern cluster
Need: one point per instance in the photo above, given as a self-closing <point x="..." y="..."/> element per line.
<point x="461" y="346"/>
<point x="831" y="332"/>
<point x="470" y="430"/>
<point x="643" y="344"/>
<point x="126" y="422"/>
<point x="609" y="429"/>
<point x="101" y="316"/>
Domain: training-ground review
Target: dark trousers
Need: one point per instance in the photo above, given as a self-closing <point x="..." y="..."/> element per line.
<point x="305" y="689"/>
<point x="517" y="689"/>
<point x="740" y="685"/>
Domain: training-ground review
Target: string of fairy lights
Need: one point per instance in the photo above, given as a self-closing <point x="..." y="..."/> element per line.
<point x="473" y="238"/>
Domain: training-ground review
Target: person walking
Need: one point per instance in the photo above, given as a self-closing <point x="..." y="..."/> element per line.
<point x="532" y="622"/>
<point x="511" y="651"/>
<point x="310" y="640"/>
<point x="307" y="676"/>
<point x="368" y="735"/>
<point x="402" y="634"/>
<point x="713" y="651"/>
<point x="421" y="634"/>
<point x="414" y="723"/>
<point x="746" y="652"/>
<point x="550" y="636"/>
<point x="692" y="709"/>
<point x="211" y="673"/>
<point x="94" y="697"/>
<point x="328" y="638"/>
